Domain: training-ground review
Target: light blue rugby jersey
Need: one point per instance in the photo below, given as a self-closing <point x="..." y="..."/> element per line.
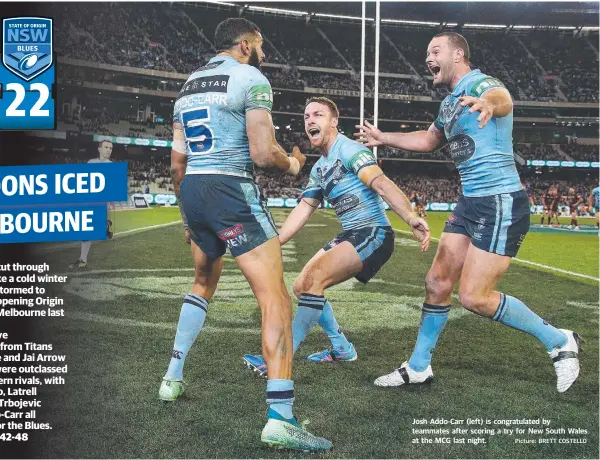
<point x="484" y="157"/>
<point x="211" y="107"/>
<point x="596" y="193"/>
<point x="335" y="177"/>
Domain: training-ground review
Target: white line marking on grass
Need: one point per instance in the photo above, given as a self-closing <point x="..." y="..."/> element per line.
<point x="560" y="270"/>
<point x="168" y="326"/>
<point x="526" y="262"/>
<point x="67" y="245"/>
<point x="150" y="227"/>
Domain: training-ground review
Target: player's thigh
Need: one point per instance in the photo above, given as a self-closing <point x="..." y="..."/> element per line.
<point x="452" y="249"/>
<point x="481" y="272"/>
<point x="328" y="268"/>
<point x="359" y="252"/>
<point x="263" y="268"/>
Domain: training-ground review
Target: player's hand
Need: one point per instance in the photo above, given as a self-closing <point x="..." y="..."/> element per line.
<point x="478" y="105"/>
<point x="187" y="236"/>
<point x="297" y="154"/>
<point x="420" y="229"/>
<point x="368" y="135"/>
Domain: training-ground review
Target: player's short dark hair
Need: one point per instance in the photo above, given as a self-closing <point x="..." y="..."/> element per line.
<point x="458" y="42"/>
<point x="228" y="32"/>
<point x="325" y="101"/>
<point x="102" y="142"/>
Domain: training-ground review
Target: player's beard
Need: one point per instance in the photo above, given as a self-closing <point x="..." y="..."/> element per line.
<point x="254" y="60"/>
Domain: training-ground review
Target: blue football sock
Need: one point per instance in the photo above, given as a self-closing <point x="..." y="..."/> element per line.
<point x="191" y="320"/>
<point x="332" y="329"/>
<point x="307" y="315"/>
<point x="514" y="313"/>
<point x="280" y="397"/>
<point x="433" y="320"/>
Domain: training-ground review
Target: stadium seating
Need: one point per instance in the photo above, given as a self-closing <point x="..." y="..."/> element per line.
<point x="546" y="66"/>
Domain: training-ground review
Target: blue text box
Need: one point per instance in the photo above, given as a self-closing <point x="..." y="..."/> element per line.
<point x="22" y="185"/>
<point x="53" y="223"/>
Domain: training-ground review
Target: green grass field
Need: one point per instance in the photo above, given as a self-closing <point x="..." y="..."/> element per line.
<point x="121" y="317"/>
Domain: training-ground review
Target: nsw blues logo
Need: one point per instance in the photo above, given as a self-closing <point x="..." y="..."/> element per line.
<point x="27" y="46"/>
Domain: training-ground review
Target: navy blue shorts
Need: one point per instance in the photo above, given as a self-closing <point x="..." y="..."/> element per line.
<point x="225" y="212"/>
<point x="374" y="245"/>
<point x="496" y="224"/>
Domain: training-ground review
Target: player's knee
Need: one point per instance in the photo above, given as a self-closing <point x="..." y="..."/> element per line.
<point x="298" y="287"/>
<point x="472" y="301"/>
<point x="308" y="282"/>
<point x="437" y="286"/>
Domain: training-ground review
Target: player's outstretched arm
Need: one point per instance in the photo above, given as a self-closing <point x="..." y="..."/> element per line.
<point x="297" y="219"/>
<point x="417" y="141"/>
<point x="373" y="177"/>
<point x="178" y="166"/>
<point x="264" y="149"/>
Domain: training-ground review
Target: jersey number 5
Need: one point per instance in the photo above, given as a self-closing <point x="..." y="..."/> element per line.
<point x="198" y="134"/>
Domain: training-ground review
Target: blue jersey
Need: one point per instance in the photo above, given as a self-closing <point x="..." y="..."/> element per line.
<point x="596" y="193"/>
<point x="335" y="177"/>
<point x="484" y="157"/>
<point x="211" y="108"/>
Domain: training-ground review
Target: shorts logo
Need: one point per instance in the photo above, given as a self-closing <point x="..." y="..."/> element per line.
<point x="476" y="236"/>
<point x="451" y="219"/>
<point x="233" y="236"/>
<point x="231" y="232"/>
<point x="27" y="46"/>
<point x="333" y="243"/>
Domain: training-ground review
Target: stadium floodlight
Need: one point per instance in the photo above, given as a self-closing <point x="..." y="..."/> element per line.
<point x="406" y="21"/>
<point x="341" y="16"/>
<point x="220" y="3"/>
<point x="486" y="26"/>
<point x="278" y="10"/>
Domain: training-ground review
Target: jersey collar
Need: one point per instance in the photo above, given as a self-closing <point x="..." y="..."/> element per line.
<point x="337" y="139"/>
<point x="458" y="87"/>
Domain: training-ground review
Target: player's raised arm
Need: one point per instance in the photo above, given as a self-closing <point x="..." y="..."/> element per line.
<point x="298" y="219"/>
<point x="178" y="166"/>
<point x="418" y="141"/>
<point x="373" y="177"/>
<point x="264" y="149"/>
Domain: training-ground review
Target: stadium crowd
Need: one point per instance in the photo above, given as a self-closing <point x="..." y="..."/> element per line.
<point x="545" y="66"/>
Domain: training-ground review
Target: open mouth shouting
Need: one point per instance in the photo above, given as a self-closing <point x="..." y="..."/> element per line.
<point x="314" y="134"/>
<point x="435" y="70"/>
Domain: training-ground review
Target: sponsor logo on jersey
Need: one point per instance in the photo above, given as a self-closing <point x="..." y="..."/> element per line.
<point x="345" y="203"/>
<point x="462" y="148"/>
<point x="210" y="84"/>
